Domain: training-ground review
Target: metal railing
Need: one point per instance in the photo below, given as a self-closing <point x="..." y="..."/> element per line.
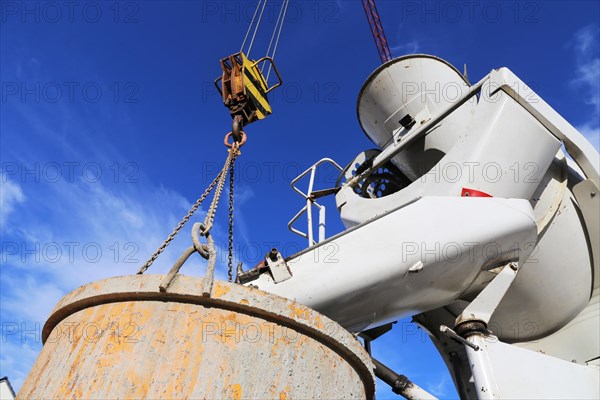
<point x="310" y="202"/>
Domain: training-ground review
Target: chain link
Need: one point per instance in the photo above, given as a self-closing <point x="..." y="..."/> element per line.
<point x="210" y="215"/>
<point x="219" y="182"/>
<point x="183" y="221"/>
<point x="230" y="252"/>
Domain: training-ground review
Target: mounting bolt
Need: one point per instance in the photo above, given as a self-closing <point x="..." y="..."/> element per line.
<point x="453" y="335"/>
<point x="514" y="266"/>
<point x="273" y="254"/>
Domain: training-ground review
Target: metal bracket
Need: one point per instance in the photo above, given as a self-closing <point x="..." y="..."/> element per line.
<point x="278" y="266"/>
<point x="484" y="305"/>
<point x="587" y="195"/>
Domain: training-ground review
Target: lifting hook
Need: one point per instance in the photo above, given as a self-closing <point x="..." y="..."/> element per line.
<point x="236" y="128"/>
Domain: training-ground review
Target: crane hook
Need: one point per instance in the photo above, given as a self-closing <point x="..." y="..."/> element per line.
<point x="236" y="128"/>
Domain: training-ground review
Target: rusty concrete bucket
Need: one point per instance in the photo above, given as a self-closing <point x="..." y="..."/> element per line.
<point x="123" y="338"/>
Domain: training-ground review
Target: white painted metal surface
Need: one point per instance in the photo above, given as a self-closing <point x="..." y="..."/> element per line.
<point x="511" y="153"/>
<point x="502" y="371"/>
<point x="578" y="341"/>
<point x="6" y="390"/>
<point x="362" y="277"/>
<point x="578" y="147"/>
<point x="399" y="257"/>
<point x="483" y="307"/>
<point x="418" y="86"/>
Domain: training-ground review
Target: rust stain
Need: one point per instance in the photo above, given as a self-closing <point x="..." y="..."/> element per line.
<point x="236" y="391"/>
<point x="185" y="350"/>
<point x="186" y="372"/>
<point x="96" y="286"/>
<point x="298" y="311"/>
<point x="220" y="290"/>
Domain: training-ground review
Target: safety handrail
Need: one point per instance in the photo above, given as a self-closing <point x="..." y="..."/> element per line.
<point x="310" y="202"/>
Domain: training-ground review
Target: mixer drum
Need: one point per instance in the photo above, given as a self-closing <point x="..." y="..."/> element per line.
<point x="406" y="92"/>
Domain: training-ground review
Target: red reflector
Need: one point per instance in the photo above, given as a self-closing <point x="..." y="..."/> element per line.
<point x="474" y="193"/>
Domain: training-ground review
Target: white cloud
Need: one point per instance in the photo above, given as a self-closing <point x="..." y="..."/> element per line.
<point x="43" y="253"/>
<point x="31" y="290"/>
<point x="16" y="358"/>
<point x="83" y="232"/>
<point x="586" y="39"/>
<point x="441" y="388"/>
<point x="589" y="78"/>
<point x="10" y="195"/>
<point x="586" y="45"/>
<point x="411" y="47"/>
<point x="80" y="233"/>
<point x="592" y="132"/>
<point x="45" y="257"/>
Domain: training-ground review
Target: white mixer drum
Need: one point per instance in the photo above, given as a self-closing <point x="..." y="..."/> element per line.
<point x="405" y="93"/>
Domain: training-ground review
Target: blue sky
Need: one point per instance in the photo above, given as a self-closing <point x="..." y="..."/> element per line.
<point x="110" y="129"/>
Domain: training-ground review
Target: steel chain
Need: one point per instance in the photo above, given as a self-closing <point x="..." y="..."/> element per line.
<point x="230" y="249"/>
<point x="219" y="181"/>
<point x="210" y="215"/>
<point x="183" y="221"/>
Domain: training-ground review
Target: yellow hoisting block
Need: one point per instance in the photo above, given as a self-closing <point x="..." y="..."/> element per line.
<point x="244" y="89"/>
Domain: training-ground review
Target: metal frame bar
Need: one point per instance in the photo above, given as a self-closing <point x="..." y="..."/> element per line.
<point x="310" y="202"/>
<point x="276" y="85"/>
<point x="486" y="302"/>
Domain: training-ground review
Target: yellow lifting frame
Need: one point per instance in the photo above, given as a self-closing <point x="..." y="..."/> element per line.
<point x="244" y="88"/>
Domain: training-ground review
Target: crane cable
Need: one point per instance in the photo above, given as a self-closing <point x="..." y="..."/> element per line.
<point x="276" y="34"/>
<point x="262" y="10"/>
<point x="255" y="24"/>
<point x="248" y="31"/>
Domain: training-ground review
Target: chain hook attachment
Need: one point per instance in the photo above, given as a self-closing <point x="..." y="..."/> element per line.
<point x="207" y="251"/>
<point x="198" y="229"/>
<point x="240" y="143"/>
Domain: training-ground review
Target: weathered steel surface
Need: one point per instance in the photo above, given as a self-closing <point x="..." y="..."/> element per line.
<point x="123" y="338"/>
